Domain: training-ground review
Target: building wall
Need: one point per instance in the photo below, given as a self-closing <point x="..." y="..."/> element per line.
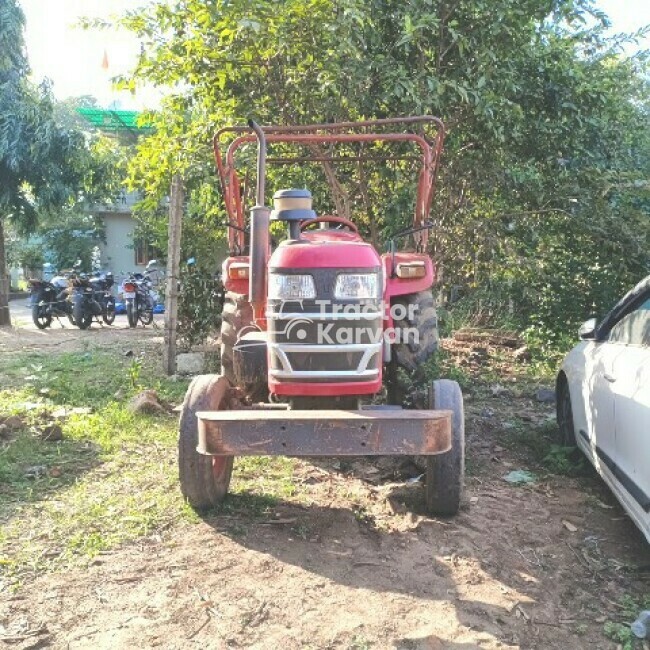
<point x="118" y="253"/>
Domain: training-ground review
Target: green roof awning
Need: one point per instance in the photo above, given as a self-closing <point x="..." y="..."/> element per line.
<point x="115" y="120"/>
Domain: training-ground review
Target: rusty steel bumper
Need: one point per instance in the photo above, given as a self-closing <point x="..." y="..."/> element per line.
<point x="324" y="433"/>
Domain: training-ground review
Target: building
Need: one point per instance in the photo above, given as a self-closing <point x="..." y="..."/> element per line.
<point x="121" y="252"/>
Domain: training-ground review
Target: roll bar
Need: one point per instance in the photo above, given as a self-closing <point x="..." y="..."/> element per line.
<point x="338" y="132"/>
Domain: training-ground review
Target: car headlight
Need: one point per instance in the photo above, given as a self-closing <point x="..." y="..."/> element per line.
<point x="356" y="285"/>
<point x="291" y="287"/>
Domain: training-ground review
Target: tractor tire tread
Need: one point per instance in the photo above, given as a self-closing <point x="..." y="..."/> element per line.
<point x="200" y="484"/>
<point x="236" y="314"/>
<point x="411" y="354"/>
<point x="444" y="476"/>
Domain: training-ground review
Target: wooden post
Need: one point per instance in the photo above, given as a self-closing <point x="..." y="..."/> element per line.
<point x="5" y="281"/>
<point x="173" y="273"/>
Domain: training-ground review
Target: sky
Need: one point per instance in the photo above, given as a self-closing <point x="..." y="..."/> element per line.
<point x="72" y="57"/>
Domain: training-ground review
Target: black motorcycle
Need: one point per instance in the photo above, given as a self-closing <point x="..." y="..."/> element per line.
<point x="92" y="298"/>
<point x="137" y="290"/>
<point x="50" y="300"/>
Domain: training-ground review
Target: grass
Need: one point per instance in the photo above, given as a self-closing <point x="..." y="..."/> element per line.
<point x="619" y="631"/>
<point x="113" y="477"/>
<point x="541" y="443"/>
<point x="108" y="481"/>
<point x="442" y="365"/>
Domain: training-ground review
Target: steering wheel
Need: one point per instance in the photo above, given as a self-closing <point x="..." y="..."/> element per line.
<point x="341" y="221"/>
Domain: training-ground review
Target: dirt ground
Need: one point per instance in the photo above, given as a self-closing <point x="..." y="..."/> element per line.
<point x="64" y="337"/>
<point x="355" y="564"/>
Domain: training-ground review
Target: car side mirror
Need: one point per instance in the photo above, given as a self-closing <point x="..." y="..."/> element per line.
<point x="588" y="329"/>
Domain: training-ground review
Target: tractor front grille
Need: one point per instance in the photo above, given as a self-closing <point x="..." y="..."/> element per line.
<point x="325" y="340"/>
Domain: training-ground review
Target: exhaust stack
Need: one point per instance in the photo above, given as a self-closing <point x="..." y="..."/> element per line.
<point x="259" y="241"/>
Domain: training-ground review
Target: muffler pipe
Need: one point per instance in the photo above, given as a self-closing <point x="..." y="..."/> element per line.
<point x="261" y="161"/>
<point x="259" y="240"/>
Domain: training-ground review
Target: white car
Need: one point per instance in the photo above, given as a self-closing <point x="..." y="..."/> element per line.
<point x="603" y="400"/>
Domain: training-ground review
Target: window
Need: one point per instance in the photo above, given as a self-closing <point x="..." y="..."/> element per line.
<point x="144" y="253"/>
<point x="634" y="328"/>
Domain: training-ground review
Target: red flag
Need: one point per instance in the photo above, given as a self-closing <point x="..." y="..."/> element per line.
<point x="105" y="61"/>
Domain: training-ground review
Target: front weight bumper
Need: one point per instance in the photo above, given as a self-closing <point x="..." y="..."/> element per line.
<point x="274" y="432"/>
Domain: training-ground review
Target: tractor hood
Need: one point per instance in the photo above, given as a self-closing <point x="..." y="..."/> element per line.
<point x="325" y="250"/>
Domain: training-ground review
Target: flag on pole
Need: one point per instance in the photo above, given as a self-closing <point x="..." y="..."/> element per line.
<point x="105" y="61"/>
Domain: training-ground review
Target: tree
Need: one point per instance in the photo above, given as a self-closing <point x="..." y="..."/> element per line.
<point x="542" y="185"/>
<point x="30" y="146"/>
<point x="44" y="165"/>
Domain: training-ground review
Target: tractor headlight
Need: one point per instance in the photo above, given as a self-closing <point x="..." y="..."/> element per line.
<point x="291" y="287"/>
<point x="356" y="285"/>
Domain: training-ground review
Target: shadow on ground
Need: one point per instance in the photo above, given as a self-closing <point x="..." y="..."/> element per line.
<point x="32" y="469"/>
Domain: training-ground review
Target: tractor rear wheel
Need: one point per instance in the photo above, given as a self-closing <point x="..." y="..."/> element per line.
<point x="445" y="472"/>
<point x="204" y="479"/>
<point x="237" y="313"/>
<point x="418" y="328"/>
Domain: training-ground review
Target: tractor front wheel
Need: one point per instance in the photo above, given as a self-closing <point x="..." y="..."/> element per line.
<point x="204" y="479"/>
<point x="445" y="472"/>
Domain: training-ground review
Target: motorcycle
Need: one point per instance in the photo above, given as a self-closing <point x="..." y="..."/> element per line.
<point x="139" y="299"/>
<point x="50" y="300"/>
<point x="92" y="298"/>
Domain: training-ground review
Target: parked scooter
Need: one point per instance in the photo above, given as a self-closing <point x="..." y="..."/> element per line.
<point x="139" y="299"/>
<point x="92" y="298"/>
<point x="50" y="300"/>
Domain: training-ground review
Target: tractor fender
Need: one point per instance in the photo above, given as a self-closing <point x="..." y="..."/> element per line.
<point x="403" y="286"/>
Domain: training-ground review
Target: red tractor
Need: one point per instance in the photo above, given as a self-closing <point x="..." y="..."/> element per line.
<point x="311" y="324"/>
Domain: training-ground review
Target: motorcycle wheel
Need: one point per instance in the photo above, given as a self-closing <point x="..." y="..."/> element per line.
<point x="84" y="322"/>
<point x="146" y="316"/>
<point x="108" y="314"/>
<point x="131" y="313"/>
<point x="41" y="318"/>
<point x="82" y="319"/>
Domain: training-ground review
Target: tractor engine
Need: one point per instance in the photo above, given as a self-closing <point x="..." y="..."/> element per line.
<point x="324" y="333"/>
<point x="324" y="317"/>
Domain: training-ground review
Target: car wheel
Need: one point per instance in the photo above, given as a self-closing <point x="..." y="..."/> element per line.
<point x="564" y="413"/>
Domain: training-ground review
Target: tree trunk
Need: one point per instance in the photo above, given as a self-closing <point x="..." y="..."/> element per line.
<point x="173" y="273"/>
<point x="5" y="318"/>
<point x="340" y="196"/>
<point x="370" y="213"/>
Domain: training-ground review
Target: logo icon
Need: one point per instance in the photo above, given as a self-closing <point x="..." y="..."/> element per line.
<point x="297" y="328"/>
